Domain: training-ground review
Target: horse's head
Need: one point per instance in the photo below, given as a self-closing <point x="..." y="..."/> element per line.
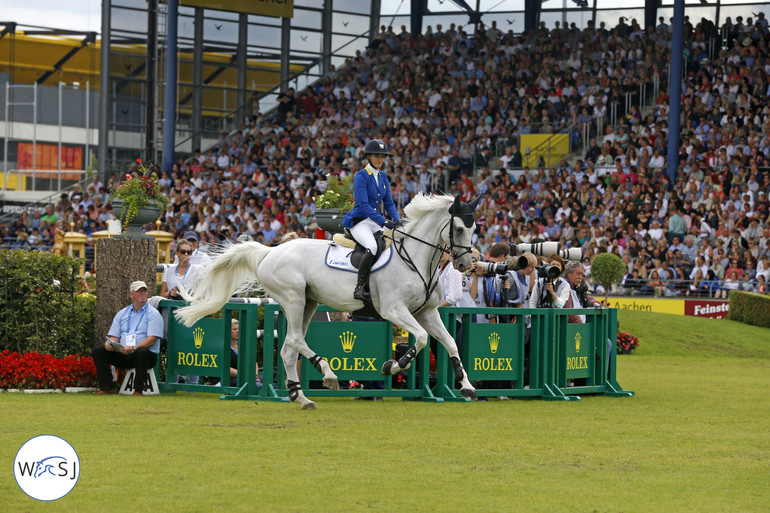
<point x="461" y="226"/>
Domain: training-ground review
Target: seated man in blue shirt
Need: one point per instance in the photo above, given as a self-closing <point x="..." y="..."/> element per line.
<point x="138" y="328"/>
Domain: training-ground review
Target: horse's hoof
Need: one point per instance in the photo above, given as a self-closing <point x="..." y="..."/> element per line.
<point x="387" y="366"/>
<point x="468" y="393"/>
<point x="310" y="405"/>
<point x="332" y="383"/>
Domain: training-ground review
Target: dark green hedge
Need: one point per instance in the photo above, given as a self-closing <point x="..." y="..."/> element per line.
<point x="749" y="308"/>
<point x="42" y="308"/>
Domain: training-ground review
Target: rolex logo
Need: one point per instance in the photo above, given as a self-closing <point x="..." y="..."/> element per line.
<point x="348" y="338"/>
<point x="494" y="341"/>
<point x="198" y="337"/>
<point x="577" y="342"/>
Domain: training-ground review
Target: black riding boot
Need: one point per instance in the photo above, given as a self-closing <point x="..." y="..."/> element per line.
<point x="363" y="276"/>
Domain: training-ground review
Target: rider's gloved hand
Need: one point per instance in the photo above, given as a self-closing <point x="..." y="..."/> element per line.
<point x="393" y="224"/>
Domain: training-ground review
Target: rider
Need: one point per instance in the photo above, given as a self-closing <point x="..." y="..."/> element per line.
<point x="371" y="190"/>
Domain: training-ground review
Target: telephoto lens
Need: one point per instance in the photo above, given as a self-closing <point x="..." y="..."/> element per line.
<point x="575" y="254"/>
<point x="517" y="262"/>
<point x="550" y="248"/>
<point x="539" y="248"/>
<point x="492" y="267"/>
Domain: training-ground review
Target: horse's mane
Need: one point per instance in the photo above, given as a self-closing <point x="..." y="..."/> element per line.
<point x="424" y="204"/>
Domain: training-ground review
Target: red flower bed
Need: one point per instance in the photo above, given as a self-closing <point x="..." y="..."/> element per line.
<point x="35" y="370"/>
<point x="627" y="342"/>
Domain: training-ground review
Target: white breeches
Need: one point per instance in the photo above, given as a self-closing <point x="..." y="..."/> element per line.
<point x="364" y="231"/>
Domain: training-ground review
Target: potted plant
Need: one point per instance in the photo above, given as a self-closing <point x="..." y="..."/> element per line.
<point x="139" y="199"/>
<point x="626" y="343"/>
<point x="336" y="201"/>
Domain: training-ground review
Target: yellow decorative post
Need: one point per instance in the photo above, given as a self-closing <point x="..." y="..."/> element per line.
<point x="76" y="246"/>
<point x="164" y="240"/>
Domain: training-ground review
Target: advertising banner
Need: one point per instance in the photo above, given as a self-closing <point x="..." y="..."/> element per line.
<point x="713" y="308"/>
<point x="282" y="8"/>
<point x="551" y="147"/>
<point x="354" y="350"/>
<point x="493" y="351"/>
<point x="707" y="308"/>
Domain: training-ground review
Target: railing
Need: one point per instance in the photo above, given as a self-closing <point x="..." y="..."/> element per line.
<point x="556" y="362"/>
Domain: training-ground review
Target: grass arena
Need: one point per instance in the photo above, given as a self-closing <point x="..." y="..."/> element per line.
<point x="693" y="438"/>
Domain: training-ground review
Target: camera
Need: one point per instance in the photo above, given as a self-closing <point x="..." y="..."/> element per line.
<point x="491" y="268"/>
<point x="512" y="264"/>
<point x="548" y="249"/>
<point x="582" y="293"/>
<point x="548" y="271"/>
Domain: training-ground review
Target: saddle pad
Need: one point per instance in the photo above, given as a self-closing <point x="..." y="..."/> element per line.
<point x="338" y="257"/>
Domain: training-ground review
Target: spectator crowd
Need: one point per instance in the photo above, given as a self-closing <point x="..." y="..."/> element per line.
<point x="452" y="107"/>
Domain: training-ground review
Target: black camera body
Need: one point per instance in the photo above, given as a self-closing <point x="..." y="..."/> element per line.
<point x="548" y="271"/>
<point x="582" y="293"/>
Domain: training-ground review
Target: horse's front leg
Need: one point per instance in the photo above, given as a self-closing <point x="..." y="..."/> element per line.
<point x="431" y="321"/>
<point x="403" y="318"/>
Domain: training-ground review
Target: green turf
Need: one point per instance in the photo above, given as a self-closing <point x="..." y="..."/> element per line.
<point x="694" y="438"/>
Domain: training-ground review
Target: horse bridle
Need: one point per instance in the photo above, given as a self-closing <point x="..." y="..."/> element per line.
<point x="464" y="211"/>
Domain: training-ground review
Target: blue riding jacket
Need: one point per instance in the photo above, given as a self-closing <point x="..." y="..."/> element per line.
<point x="368" y="196"/>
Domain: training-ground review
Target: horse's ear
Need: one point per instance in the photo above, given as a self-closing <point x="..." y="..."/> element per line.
<point x="475" y="203"/>
<point x="456" y="206"/>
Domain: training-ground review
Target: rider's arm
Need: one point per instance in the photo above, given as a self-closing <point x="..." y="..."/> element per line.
<point x="361" y="195"/>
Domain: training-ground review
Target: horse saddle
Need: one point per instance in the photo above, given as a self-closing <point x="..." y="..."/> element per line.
<point x="345" y="253"/>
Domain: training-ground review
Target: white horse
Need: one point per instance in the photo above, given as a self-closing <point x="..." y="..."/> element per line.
<point x="405" y="292"/>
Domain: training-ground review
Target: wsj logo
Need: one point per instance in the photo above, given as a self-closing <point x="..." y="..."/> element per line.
<point x="56" y="466"/>
<point x="46" y="468"/>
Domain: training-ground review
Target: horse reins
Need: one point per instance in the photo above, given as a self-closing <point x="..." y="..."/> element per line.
<point x="429" y="285"/>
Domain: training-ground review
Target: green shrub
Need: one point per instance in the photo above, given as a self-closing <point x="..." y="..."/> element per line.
<point x="607" y="269"/>
<point x="749" y="308"/>
<point x="42" y="309"/>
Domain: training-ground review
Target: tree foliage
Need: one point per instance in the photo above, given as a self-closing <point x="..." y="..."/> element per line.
<point x="607" y="269"/>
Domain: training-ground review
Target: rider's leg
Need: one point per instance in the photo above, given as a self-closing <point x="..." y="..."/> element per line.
<point x="363" y="233"/>
<point x="364" y="268"/>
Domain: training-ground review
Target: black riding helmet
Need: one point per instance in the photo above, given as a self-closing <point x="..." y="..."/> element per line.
<point x="376" y="147"/>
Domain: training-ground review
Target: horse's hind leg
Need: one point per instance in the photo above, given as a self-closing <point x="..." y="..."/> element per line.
<point x="289" y="356"/>
<point x="297" y="322"/>
<point x="431" y="320"/>
<point x="330" y="378"/>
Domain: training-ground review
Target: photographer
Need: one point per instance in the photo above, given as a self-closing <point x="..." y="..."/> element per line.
<point x="474" y="295"/>
<point x="578" y="291"/>
<point x="493" y="284"/>
<point x="551" y="291"/>
<point x="507" y="286"/>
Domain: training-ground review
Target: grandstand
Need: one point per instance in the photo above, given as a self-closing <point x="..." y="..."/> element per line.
<point x="564" y="119"/>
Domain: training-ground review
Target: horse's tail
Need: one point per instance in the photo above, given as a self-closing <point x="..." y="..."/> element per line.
<point x="219" y="280"/>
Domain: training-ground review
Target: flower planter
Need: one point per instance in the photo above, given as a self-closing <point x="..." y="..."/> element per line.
<point x="330" y="219"/>
<point x="133" y="230"/>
